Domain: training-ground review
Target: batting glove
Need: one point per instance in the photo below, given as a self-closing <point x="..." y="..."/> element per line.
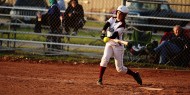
<point x="102" y="36"/>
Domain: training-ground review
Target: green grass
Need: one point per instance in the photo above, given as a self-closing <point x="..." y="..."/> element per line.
<point x="76" y="58"/>
<point x="94" y="24"/>
<point x="82" y="41"/>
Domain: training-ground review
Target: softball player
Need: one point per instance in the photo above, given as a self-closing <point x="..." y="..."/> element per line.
<point x="114" y="30"/>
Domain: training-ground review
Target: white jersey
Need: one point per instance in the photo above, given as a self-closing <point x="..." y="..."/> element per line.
<point x="115" y="26"/>
<point x="113" y="49"/>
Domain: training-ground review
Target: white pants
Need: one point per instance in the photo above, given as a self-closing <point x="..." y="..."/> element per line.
<point x="117" y="52"/>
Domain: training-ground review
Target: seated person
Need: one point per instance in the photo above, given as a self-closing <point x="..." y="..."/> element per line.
<point x="74" y="17"/>
<point x="51" y="18"/>
<point x="171" y="44"/>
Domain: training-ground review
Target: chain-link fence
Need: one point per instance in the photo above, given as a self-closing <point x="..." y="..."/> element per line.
<point x="29" y="24"/>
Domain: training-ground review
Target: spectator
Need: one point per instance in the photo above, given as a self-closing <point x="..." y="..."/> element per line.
<point x="74" y="17"/>
<point x="171" y="44"/>
<point x="51" y="18"/>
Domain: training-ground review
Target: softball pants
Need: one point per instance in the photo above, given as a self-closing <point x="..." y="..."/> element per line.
<point x="116" y="51"/>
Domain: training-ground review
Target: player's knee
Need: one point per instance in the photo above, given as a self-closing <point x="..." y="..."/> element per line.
<point x="121" y="70"/>
<point x="104" y="62"/>
<point x="105" y="59"/>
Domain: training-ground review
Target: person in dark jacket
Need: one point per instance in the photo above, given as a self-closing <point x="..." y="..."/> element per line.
<point x="74" y="17"/>
<point x="171" y="44"/>
<point x="52" y="19"/>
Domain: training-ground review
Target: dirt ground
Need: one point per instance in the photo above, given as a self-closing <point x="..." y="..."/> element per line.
<point x="26" y="78"/>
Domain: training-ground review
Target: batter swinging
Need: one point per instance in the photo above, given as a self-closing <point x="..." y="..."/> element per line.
<point x="113" y="29"/>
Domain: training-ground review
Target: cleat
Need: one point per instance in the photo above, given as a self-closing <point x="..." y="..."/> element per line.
<point x="99" y="82"/>
<point x="137" y="78"/>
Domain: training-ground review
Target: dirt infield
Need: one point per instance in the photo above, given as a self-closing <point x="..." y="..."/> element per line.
<point x="17" y="78"/>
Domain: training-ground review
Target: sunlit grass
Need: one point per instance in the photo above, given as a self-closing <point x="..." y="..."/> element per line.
<point x="82" y="41"/>
<point x="94" y="24"/>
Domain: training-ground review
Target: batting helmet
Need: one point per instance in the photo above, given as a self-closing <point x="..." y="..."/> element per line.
<point x="123" y="9"/>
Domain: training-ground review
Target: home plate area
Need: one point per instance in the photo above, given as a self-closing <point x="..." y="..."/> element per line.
<point x="151" y="88"/>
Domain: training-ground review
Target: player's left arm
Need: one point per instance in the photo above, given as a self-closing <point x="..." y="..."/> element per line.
<point x="119" y="32"/>
<point x="120" y="41"/>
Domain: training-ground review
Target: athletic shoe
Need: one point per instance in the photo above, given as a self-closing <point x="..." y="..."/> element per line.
<point x="137" y="78"/>
<point x="99" y="82"/>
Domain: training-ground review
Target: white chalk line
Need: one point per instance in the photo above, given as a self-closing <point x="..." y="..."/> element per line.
<point x="151" y="88"/>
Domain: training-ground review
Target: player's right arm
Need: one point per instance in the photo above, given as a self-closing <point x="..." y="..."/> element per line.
<point x="104" y="30"/>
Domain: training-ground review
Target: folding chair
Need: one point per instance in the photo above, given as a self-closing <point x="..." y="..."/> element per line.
<point x="139" y="40"/>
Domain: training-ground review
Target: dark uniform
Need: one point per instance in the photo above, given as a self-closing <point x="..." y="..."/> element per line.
<point x="76" y="20"/>
<point x="52" y="19"/>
